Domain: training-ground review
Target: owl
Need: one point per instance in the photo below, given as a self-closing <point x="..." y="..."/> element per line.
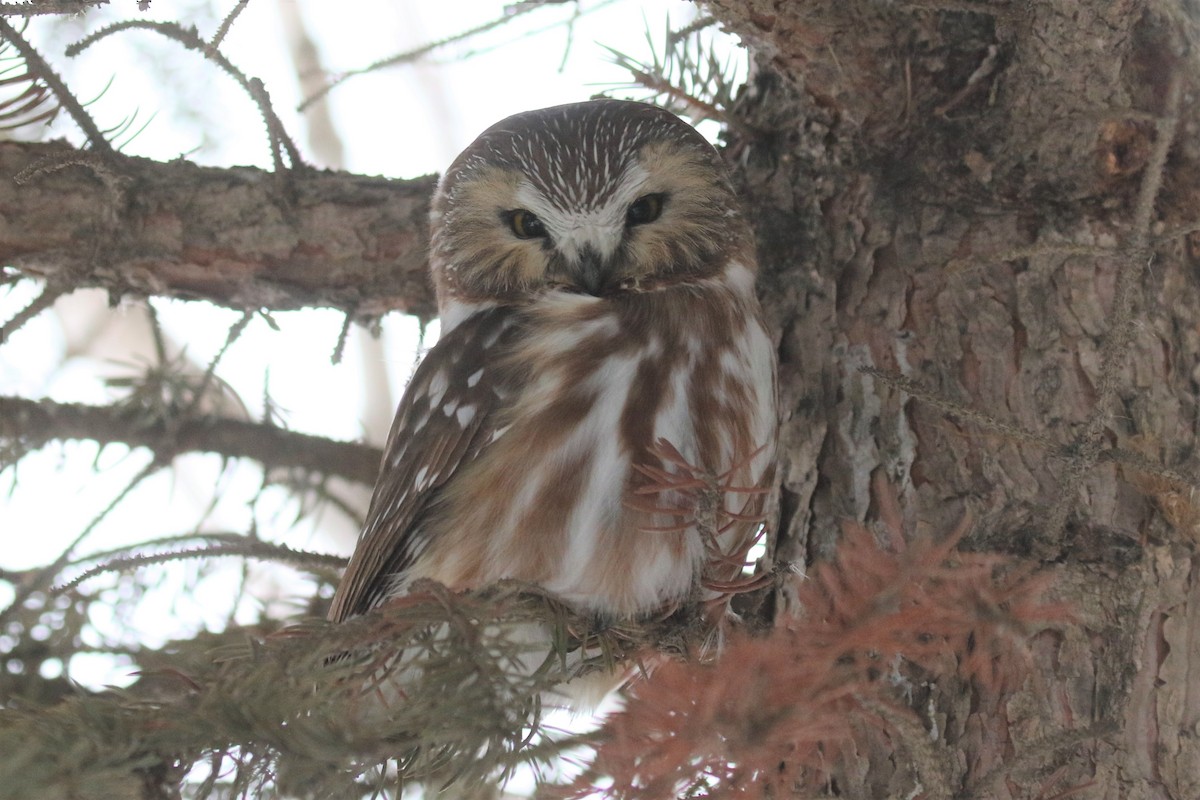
<point x="601" y="337"/>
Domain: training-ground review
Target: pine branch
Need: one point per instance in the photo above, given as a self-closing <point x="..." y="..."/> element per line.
<point x="225" y="235"/>
<point x="446" y="685"/>
<point x="34" y="423"/>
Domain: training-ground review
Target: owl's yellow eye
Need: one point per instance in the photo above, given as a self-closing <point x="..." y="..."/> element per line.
<point x="525" y="224"/>
<point x="645" y="209"/>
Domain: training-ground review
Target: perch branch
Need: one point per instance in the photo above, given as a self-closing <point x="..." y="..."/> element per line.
<point x="34" y="8"/>
<point x="340" y="241"/>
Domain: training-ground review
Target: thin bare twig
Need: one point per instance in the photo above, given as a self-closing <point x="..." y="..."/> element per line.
<point x="409" y="56"/>
<point x="1115" y="350"/>
<point x="301" y="483"/>
<point x="280" y="141"/>
<point x="46" y="165"/>
<point x="190" y="38"/>
<point x="227" y="23"/>
<point x="983" y="420"/>
<point x="532" y="32"/>
<point x="235" y="331"/>
<point x="42" y="578"/>
<point x="1139" y="462"/>
<point x="340" y="347"/>
<point x="1032" y="251"/>
<point x="43" y="301"/>
<point x="245" y="548"/>
<point x="697" y="25"/>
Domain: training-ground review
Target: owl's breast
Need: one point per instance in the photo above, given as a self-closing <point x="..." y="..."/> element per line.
<point x="559" y="496"/>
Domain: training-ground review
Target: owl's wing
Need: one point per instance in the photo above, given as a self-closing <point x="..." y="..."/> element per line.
<point x="445" y="418"/>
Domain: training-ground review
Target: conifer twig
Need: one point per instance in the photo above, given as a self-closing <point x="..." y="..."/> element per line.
<point x="235" y="332"/>
<point x="30" y="424"/>
<point x="417" y="53"/>
<point x="1115" y="350"/>
<point x="243" y="547"/>
<point x="49" y="294"/>
<point x="33" y="8"/>
<point x="191" y="39"/>
<point x="42" y="579"/>
<point x="66" y="99"/>
<point x="227" y="23"/>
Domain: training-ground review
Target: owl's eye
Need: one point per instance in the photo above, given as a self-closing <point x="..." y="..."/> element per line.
<point x="645" y="209"/>
<point x="525" y="224"/>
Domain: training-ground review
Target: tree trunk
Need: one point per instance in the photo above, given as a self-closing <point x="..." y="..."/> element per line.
<point x="992" y="205"/>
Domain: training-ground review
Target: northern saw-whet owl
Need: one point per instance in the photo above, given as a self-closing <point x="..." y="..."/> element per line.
<point x="595" y="281"/>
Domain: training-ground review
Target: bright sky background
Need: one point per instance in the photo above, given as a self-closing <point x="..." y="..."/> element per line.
<point x="401" y="122"/>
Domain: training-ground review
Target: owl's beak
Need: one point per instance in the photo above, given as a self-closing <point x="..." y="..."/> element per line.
<point x="590" y="273"/>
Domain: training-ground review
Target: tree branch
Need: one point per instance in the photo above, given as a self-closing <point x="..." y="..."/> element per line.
<point x="36" y="422"/>
<point x="34" y="8"/>
<point x="229" y="236"/>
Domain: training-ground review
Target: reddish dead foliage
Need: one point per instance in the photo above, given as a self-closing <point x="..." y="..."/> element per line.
<point x="773" y="714"/>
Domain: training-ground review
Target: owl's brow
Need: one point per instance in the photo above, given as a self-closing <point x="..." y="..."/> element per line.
<point x="575" y="162"/>
<point x="582" y="167"/>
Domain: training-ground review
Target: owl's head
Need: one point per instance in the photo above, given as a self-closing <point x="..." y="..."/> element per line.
<point x="598" y="198"/>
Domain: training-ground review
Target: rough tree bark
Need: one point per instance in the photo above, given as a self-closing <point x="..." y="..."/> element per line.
<point x="242" y="237"/>
<point x="995" y="202"/>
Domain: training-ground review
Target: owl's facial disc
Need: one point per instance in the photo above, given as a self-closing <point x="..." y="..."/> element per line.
<point x="595" y="246"/>
<point x="600" y="198"/>
<point x="592" y="254"/>
<point x="586" y="250"/>
<point x="578" y="249"/>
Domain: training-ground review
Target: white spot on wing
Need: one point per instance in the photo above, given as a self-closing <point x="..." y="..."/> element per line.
<point x="437" y="387"/>
<point x="465" y="415"/>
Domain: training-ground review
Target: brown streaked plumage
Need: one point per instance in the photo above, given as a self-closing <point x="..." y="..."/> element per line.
<point x="595" y="278"/>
